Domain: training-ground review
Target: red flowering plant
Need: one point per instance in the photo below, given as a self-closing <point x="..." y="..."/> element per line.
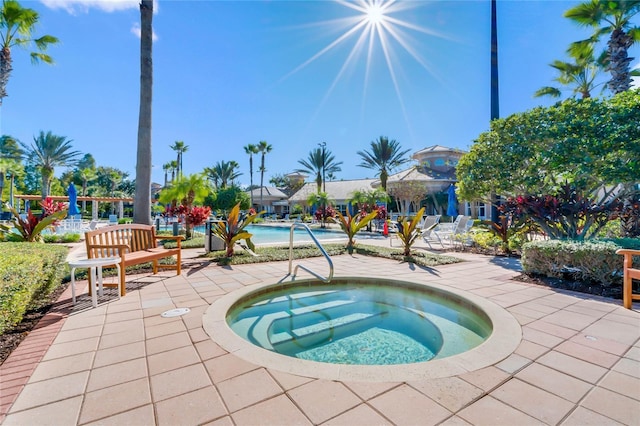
<point x="198" y="215"/>
<point x="30" y="228"/>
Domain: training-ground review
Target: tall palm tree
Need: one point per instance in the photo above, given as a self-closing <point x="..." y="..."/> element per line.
<point x="223" y="173"/>
<point x="250" y="150"/>
<point x="579" y="75"/>
<point x="611" y="17"/>
<point x="174" y="169"/>
<point x="86" y="175"/>
<point x="47" y="152"/>
<point x="319" y="162"/>
<point x="10" y="153"/>
<point x="187" y="190"/>
<point x="263" y="148"/>
<point x="16" y="27"/>
<point x="180" y="148"/>
<point x="166" y="167"/>
<point x="115" y="178"/>
<point x="384" y="156"/>
<point x="142" y="205"/>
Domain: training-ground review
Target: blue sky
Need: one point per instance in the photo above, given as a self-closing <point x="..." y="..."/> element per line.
<point x="230" y="73"/>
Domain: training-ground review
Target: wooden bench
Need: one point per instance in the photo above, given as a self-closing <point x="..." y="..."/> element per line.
<point x="134" y="244"/>
<point x="629" y="275"/>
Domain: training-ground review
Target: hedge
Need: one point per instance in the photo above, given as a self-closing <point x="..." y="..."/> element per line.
<point x="29" y="272"/>
<point x="588" y="261"/>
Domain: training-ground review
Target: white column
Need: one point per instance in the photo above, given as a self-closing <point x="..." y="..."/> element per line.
<point x="120" y="209"/>
<point x="94" y="209"/>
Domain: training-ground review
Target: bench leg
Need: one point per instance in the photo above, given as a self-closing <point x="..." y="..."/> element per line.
<point x="626" y="290"/>
<point x="179" y="263"/>
<point x="122" y="275"/>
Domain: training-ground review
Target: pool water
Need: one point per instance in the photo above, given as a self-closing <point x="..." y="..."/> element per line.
<point x="280" y="234"/>
<point x="359" y="323"/>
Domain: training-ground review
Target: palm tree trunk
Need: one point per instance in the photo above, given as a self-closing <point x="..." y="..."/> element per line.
<point x="251" y="178"/>
<point x="142" y="205"/>
<point x="618" y="47"/>
<point x="5" y="71"/>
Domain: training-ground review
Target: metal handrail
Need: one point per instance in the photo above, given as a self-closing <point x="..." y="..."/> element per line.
<point x="322" y="250"/>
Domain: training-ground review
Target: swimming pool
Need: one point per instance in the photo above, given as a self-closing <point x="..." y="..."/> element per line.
<point x="497" y="333"/>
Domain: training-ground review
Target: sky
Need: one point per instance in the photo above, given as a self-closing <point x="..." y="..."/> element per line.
<point x="292" y="73"/>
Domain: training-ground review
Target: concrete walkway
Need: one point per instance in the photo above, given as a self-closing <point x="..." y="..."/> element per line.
<point x="578" y="361"/>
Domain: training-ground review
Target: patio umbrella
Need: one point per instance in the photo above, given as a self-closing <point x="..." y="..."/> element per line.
<point x="452" y="201"/>
<point x="73" y="199"/>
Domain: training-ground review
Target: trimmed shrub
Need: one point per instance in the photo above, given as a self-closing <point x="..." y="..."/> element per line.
<point x="588" y="261"/>
<point x="61" y="238"/>
<point x="29" y="272"/>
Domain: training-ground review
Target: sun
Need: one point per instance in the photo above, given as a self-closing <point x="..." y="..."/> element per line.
<point x="375" y="14"/>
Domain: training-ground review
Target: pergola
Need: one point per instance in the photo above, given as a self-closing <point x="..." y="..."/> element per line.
<point x="94" y="202"/>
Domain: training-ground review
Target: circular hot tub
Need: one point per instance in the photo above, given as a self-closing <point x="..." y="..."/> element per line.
<point x="362" y="329"/>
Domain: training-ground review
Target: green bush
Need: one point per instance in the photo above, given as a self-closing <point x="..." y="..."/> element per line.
<point x="589" y="261"/>
<point x="61" y="238"/>
<point x="124" y="220"/>
<point x="29" y="272"/>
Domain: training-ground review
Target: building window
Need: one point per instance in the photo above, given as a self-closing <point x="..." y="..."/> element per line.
<point x="439" y="162"/>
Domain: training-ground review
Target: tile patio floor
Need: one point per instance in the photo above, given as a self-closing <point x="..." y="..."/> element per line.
<point x="578" y="362"/>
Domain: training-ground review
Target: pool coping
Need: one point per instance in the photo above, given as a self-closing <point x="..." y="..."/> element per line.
<point x="503" y="341"/>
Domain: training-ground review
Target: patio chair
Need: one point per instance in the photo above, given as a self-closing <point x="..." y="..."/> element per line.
<point x="428" y="227"/>
<point x="458" y="227"/>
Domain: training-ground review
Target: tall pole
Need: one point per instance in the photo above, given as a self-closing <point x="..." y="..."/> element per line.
<point x="495" y="100"/>
<point x="324" y="159"/>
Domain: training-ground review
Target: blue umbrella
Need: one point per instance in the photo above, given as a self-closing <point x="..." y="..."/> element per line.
<point x="452" y="201"/>
<point x="73" y="199"/>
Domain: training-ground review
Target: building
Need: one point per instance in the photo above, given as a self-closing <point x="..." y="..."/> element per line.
<point x="341" y="191"/>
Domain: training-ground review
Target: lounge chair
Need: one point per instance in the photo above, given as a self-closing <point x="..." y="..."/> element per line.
<point x="427" y="231"/>
<point x="460" y="226"/>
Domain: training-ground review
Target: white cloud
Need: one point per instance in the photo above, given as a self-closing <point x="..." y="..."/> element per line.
<point x="135" y="29"/>
<point x="82" y="6"/>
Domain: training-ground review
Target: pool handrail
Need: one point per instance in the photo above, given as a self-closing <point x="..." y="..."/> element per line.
<point x="322" y="250"/>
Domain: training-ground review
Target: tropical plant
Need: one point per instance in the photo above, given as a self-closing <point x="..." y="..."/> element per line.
<point x="232" y="229"/>
<point x="87" y="175"/>
<point x="166" y="167"/>
<point x="186" y="192"/>
<point x="384" y="156"/>
<point x="29" y="229"/>
<point x="319" y="162"/>
<point x="350" y="225"/>
<point x="323" y="203"/>
<point x="142" y="206"/>
<point x="223" y="173"/>
<point x="263" y="149"/>
<point x="367" y="201"/>
<point x="47" y="152"/>
<point x="180" y="148"/>
<point x="408" y="231"/>
<point x="251" y="149"/>
<point x="16" y="27"/>
<point x="611" y="17"/>
<point x="579" y="75"/>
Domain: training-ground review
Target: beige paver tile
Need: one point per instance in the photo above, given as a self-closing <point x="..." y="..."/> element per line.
<point x="555" y="382"/>
<point x="616" y="331"/>
<point x="170" y="360"/>
<point x="138" y="416"/>
<point x="610" y="404"/>
<point x="225" y="421"/>
<point x="587" y="353"/>
<point x="123" y="326"/>
<point x="275" y="411"/>
<point x="513" y="363"/>
<point x="452" y="393"/>
<point x="40" y="393"/>
<point x="62" y="366"/>
<point x="127" y="317"/>
<point x="226" y="366"/>
<point x="63" y="412"/>
<point x="366" y="391"/>
<point x="554" y="329"/>
<point x="247" y="389"/>
<point x="601" y="343"/>
<point x="628" y="366"/>
<point x="59" y="350"/>
<point x="321" y="400"/>
<point x="209" y="349"/>
<point x="79" y="334"/>
<point x="540" y="337"/>
<point x="177" y="382"/>
<point x="535" y="402"/>
<point x="288" y="381"/>
<point x="122" y="338"/>
<point x="486" y="378"/>
<point x="573" y="366"/>
<point x="530" y="350"/>
<point x="198" y="335"/>
<point x="491" y="412"/>
<point x="114" y="400"/>
<point x="168" y="342"/>
<point x="192" y="408"/>
<point x="164" y="329"/>
<point x="115" y="374"/>
<point x="633" y="353"/>
<point x="622" y="384"/>
<point x="455" y="421"/>
<point x="119" y="354"/>
<point x="584" y="417"/>
<point x="362" y="415"/>
<point x="403" y="405"/>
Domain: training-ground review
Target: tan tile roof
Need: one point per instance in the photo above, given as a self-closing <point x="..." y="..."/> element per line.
<point x="339" y="190"/>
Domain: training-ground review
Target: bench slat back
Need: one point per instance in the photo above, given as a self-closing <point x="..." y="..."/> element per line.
<point x="136" y="236"/>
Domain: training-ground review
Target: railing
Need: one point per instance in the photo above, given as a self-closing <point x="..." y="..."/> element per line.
<point x="322" y="250"/>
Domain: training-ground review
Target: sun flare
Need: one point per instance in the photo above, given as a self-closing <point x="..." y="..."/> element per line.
<point x="375" y="14"/>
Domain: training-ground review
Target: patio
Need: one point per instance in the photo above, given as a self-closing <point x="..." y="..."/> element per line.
<point x="122" y="363"/>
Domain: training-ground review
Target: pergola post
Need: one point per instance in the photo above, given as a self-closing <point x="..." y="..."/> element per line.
<point x="94" y="209"/>
<point x="120" y="209"/>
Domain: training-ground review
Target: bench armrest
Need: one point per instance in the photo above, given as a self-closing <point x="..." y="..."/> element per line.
<point x="628" y="251"/>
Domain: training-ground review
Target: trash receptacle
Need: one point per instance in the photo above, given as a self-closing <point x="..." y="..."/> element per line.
<point x="212" y="242"/>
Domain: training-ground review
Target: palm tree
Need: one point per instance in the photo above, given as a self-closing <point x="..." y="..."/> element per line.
<point x="250" y="150"/>
<point x="174" y="167"/>
<point x="223" y="173"/>
<point x="86" y="175"/>
<point x="115" y="178"/>
<point x="166" y="167"/>
<point x="142" y="205"/>
<point x="16" y="26"/>
<point x="47" y="152"/>
<point x="611" y="17"/>
<point x="263" y="148"/>
<point x="180" y="148"/>
<point x="10" y="154"/>
<point x="385" y="155"/>
<point x="579" y="75"/>
<point x="187" y="191"/>
<point x="319" y="162"/>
